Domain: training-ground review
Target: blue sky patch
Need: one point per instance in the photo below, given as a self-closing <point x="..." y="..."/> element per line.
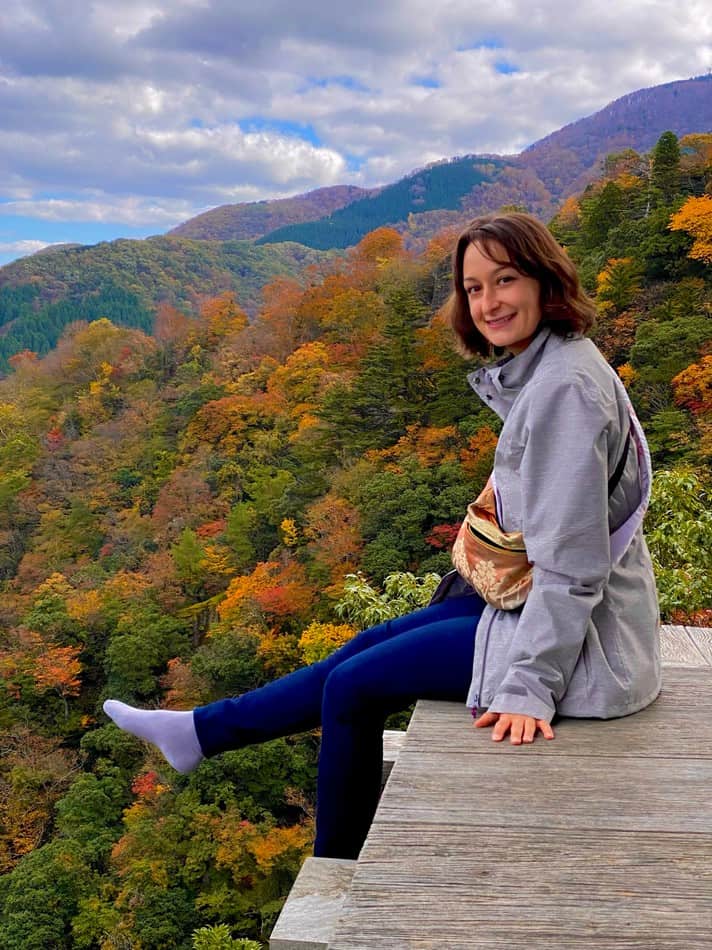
<point x="345" y="82"/>
<point x="256" y="123"/>
<point x="354" y="163"/>
<point x="502" y="66"/>
<point x="428" y="82"/>
<point x="484" y="42"/>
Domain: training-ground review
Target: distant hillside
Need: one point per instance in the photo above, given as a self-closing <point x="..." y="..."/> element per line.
<point x="634" y="121"/>
<point x="449" y="193"/>
<point x="435" y="188"/>
<point x="125" y="280"/>
<point x="244" y="222"/>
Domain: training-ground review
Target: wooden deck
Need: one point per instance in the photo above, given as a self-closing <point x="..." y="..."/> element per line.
<point x="599" y="839"/>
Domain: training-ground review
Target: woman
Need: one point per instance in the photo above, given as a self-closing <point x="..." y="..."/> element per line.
<point x="585" y="642"/>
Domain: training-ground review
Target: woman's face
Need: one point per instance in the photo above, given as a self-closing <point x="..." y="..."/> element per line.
<point x="504" y="304"/>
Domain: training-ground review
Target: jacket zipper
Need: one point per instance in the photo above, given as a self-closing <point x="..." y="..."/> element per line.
<point x="484" y="661"/>
<point x="488" y="542"/>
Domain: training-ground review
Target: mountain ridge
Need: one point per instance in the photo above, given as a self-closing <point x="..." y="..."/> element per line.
<point x="246" y="220"/>
<point x="40" y="294"/>
<point x="563" y="161"/>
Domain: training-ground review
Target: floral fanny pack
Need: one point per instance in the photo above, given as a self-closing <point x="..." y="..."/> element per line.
<point x="495" y="563"/>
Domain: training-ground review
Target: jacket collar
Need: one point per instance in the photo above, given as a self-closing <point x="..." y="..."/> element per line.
<point x="498" y="384"/>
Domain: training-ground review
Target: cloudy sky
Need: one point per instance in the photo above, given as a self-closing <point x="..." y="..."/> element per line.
<point x="126" y="118"/>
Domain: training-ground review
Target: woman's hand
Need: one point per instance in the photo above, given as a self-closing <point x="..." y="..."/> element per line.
<point x="520" y="728"/>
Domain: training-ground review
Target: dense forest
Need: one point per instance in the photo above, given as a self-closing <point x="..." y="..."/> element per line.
<point x="188" y="514"/>
<point x="126" y="280"/>
<point x="253" y="219"/>
<point x="440" y="187"/>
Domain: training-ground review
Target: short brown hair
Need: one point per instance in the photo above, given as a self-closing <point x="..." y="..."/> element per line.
<point x="532" y="250"/>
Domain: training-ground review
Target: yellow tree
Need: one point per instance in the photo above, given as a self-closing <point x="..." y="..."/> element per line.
<point x="695" y="217"/>
<point x="223" y="317"/>
<point x="693" y="387"/>
<point x="617" y="285"/>
<point x="319" y="640"/>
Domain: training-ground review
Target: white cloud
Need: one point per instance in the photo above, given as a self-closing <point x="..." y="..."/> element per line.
<point x="23" y="248"/>
<point x="131" y="211"/>
<point x="144" y="112"/>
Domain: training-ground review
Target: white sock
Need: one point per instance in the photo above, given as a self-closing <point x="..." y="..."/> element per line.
<point x="173" y="732"/>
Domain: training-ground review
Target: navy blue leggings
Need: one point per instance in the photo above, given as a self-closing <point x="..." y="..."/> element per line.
<point x="425" y="655"/>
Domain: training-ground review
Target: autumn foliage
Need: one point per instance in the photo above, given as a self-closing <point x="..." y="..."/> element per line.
<point x="187" y="514"/>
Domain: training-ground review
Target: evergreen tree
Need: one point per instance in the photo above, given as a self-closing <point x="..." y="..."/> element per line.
<point x="665" y="172"/>
<point x="600" y="213"/>
<point x="387" y="395"/>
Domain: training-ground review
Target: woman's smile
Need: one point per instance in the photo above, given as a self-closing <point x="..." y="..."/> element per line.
<point x="504" y="303"/>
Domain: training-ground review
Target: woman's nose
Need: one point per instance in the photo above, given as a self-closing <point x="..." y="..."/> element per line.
<point x="489" y="299"/>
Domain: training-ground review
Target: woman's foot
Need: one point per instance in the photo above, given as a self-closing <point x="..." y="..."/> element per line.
<point x="173" y="732"/>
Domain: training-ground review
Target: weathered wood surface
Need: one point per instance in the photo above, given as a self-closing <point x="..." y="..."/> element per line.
<point x="686" y="646"/>
<point x="393" y="741"/>
<point x="309" y="916"/>
<point x="599" y="839"/>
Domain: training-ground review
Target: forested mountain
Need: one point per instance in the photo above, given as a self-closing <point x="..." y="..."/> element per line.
<point x="179" y="512"/>
<point x="536" y="180"/>
<point x="566" y="159"/>
<point x="243" y="222"/>
<point x="439" y="187"/>
<point x="127" y="280"/>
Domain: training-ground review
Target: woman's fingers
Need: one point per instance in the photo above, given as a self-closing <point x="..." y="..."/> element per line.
<point x="486" y="719"/>
<point x="530" y="727"/>
<point x="521" y="729"/>
<point x="504" y="725"/>
<point x="545" y="728"/>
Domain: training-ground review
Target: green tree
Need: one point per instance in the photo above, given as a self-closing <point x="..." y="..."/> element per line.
<point x="618" y="285"/>
<point x="388" y="393"/>
<point x="364" y="605"/>
<point x="41" y="897"/>
<point x="599" y="213"/>
<point x="188" y="556"/>
<point x="144" y="641"/>
<point x="678" y="529"/>
<point x="665" y="170"/>
<point x="239" y="533"/>
<point x="218" y="937"/>
<point x="663" y="349"/>
<point x="90" y="813"/>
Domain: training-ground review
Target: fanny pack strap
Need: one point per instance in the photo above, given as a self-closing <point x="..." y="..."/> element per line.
<point x="622" y="536"/>
<point x="616" y="476"/>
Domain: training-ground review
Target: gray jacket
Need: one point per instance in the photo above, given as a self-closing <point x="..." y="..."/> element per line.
<point x="586" y="641"/>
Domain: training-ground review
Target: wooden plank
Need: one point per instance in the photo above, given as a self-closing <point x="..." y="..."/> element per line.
<point x="702" y="639"/>
<point x="599" y="839"/>
<point x="393" y="742"/>
<point x="508" y="889"/>
<point x="677" y="648"/>
<point x="677" y="724"/>
<point x="309" y="916"/>
<point x="502" y="790"/>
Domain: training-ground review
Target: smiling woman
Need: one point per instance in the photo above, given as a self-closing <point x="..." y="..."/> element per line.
<point x="509" y="274"/>
<point x="504" y="304"/>
<point x="571" y="482"/>
<point x="583" y="640"/>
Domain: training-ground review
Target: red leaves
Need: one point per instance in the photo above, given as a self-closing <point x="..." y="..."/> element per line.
<point x="442" y="535"/>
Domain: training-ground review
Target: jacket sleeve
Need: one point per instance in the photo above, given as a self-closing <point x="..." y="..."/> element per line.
<point x="564" y="499"/>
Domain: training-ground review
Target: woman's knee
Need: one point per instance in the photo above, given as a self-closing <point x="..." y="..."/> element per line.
<point x="346" y="690"/>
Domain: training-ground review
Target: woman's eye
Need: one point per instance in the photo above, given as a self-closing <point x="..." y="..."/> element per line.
<point x="506" y="278"/>
<point x="471" y="291"/>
